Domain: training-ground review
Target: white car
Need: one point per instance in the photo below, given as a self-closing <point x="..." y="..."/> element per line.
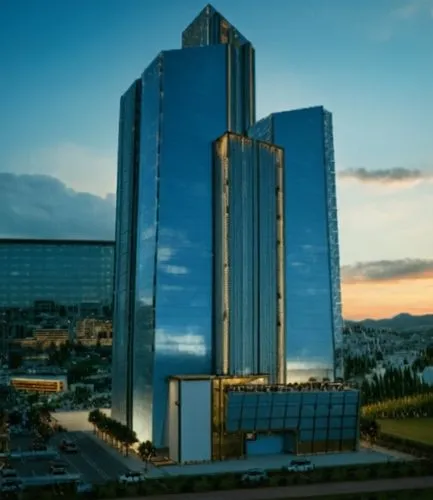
<point x="9" y="473"/>
<point x="300" y="466"/>
<point x="11" y="485"/>
<point x="131" y="477"/>
<point x="254" y="476"/>
<point x="82" y="487"/>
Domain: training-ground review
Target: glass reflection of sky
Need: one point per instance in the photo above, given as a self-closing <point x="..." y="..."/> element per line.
<point x="310" y="320"/>
<point x="183" y="110"/>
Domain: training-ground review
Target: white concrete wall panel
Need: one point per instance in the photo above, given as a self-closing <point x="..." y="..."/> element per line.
<point x="195" y="420"/>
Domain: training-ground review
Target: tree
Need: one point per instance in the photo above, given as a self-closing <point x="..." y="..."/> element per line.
<point x="369" y="429"/>
<point x="15" y="360"/>
<point x="95" y="417"/>
<point x="146" y="451"/>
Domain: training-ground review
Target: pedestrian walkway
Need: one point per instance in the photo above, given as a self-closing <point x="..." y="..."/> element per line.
<point x="308" y="491"/>
<point x="399" y="455"/>
<point x="131" y="462"/>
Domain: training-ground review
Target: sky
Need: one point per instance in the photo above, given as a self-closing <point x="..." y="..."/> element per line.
<point x="64" y="66"/>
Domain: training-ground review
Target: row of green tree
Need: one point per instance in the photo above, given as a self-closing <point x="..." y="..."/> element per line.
<point x="356" y="366"/>
<point x="426" y="359"/>
<point x="393" y="384"/>
<point x="416" y="406"/>
<point x="119" y="435"/>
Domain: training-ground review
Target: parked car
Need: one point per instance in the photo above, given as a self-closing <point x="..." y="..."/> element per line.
<point x="68" y="446"/>
<point x="131" y="477"/>
<point x="38" y="445"/>
<point x="11" y="485"/>
<point x="301" y="465"/>
<point x="82" y="488"/>
<point x="57" y="467"/>
<point x="9" y="473"/>
<point x="254" y="476"/>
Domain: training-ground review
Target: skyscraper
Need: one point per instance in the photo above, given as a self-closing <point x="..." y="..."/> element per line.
<point x="225" y="263"/>
<point x="163" y="310"/>
<point x="312" y="265"/>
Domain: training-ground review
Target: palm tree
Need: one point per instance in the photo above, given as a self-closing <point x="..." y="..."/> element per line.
<point x="130" y="438"/>
<point x="146" y="451"/>
<point x="94" y="418"/>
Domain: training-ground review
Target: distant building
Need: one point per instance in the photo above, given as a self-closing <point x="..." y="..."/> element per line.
<point x="427" y="375"/>
<point x="51" y="283"/>
<point x="45" y="338"/>
<point x="215" y="418"/>
<point x="93" y="328"/>
<point x="39" y="383"/>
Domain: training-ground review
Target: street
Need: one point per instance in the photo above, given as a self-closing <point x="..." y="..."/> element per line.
<point x="93" y="462"/>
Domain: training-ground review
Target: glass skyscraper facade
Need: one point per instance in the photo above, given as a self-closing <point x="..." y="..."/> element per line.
<point x="202" y="243"/>
<point x="65" y="273"/>
<point x="163" y="312"/>
<point x="54" y="282"/>
<point x="312" y="267"/>
<point x="249" y="258"/>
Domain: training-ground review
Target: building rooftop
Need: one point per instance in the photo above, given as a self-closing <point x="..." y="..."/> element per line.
<point x="33" y="241"/>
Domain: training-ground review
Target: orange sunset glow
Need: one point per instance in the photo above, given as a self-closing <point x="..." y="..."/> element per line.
<point x="384" y="299"/>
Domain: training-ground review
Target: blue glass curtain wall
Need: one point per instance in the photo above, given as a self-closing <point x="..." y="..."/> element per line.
<point x="312" y="293"/>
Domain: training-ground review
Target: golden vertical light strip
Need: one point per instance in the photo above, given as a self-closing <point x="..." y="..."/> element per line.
<point x="225" y="253"/>
<point x="281" y="344"/>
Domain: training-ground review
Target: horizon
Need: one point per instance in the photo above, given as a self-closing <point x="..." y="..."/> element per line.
<point x="66" y="68"/>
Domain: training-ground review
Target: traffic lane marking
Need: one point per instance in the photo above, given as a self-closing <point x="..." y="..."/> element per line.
<point x="112" y="466"/>
<point x="82" y="462"/>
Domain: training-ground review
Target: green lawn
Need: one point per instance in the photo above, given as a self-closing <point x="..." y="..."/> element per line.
<point x="416" y="429"/>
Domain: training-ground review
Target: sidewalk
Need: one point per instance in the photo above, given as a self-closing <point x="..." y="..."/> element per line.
<point x="387" y="451"/>
<point x="131" y="462"/>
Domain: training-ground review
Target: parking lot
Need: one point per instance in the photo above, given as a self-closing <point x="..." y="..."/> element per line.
<point x="93" y="462"/>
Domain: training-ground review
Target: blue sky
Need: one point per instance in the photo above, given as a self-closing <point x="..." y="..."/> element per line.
<point x="64" y="65"/>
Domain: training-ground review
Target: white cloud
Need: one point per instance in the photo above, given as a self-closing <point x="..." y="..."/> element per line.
<point x="40" y="206"/>
<point x="177" y="270"/>
<point x="399" y="17"/>
<point x="172" y="288"/>
<point x="83" y="169"/>
<point x="165" y="254"/>
<point x="188" y="342"/>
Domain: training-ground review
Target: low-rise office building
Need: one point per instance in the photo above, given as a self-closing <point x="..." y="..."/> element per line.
<point x="39" y="383"/>
<point x="217" y="418"/>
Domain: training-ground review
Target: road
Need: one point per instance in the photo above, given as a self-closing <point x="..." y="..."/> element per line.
<point x="309" y="491"/>
<point x="92" y="462"/>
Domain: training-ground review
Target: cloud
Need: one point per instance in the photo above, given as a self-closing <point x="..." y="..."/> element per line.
<point x="188" y="342"/>
<point x="411" y="9"/>
<point x="387" y="270"/>
<point x="399" y="17"/>
<point x="177" y="270"/>
<point x="165" y="254"/>
<point x="83" y="169"/>
<point x="41" y="206"/>
<point x="385" y="176"/>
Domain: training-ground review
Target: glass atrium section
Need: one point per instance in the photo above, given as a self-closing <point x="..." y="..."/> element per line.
<point x="249" y="257"/>
<point x="211" y="28"/>
<point x="313" y="304"/>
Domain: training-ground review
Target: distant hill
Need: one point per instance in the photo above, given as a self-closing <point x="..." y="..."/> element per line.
<point x="401" y="323"/>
